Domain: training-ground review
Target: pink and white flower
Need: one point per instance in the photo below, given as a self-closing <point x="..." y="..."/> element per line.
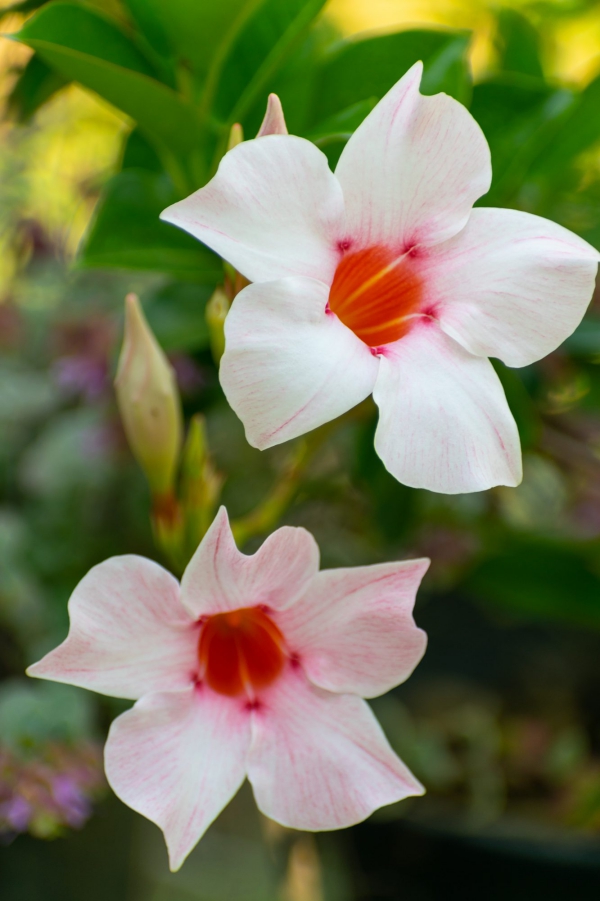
<point x="382" y="279"/>
<point x="255" y="666"/>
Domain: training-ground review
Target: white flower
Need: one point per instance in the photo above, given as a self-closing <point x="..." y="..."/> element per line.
<point x="382" y="279"/>
<point x="253" y="667"/>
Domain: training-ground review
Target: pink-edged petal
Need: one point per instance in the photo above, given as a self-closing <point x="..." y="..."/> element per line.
<point x="274" y="120"/>
<point x="273" y="209"/>
<point x="219" y="578"/>
<point x="510" y="285"/>
<point x="289" y="365"/>
<point x="444" y="422"/>
<point x="178" y="758"/>
<point x="353" y="629"/>
<point x="413" y="169"/>
<point x="129" y="632"/>
<point x="320" y="760"/>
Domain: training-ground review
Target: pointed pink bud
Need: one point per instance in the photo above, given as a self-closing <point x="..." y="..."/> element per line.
<point x="274" y="121"/>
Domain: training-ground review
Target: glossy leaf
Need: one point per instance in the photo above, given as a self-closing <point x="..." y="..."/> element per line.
<point x="520" y="116"/>
<point x="580" y="130"/>
<point x="361" y="68"/>
<point x="188" y="30"/>
<point x="92" y="49"/>
<point x="259" y="51"/>
<point x="127" y="232"/>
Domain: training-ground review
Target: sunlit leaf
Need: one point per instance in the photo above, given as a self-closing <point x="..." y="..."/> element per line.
<point x="92" y="49"/>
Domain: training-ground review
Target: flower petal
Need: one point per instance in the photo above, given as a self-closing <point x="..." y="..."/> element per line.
<point x="320" y="760"/>
<point x="353" y="629"/>
<point x="178" y="758"/>
<point x="273" y="209"/>
<point x="129" y="632"/>
<point x="511" y="285"/>
<point x="290" y="366"/>
<point x="219" y="578"/>
<point x="444" y="421"/>
<point x="412" y="170"/>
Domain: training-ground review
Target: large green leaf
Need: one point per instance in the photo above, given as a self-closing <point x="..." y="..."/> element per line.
<point x="188" y="30"/>
<point x="360" y="68"/>
<point x="518" y="44"/>
<point x="541" y="580"/>
<point x="93" y="50"/>
<point x="36" y="84"/>
<point x="127" y="233"/>
<point x="520" y="116"/>
<point x="259" y="51"/>
<point x="580" y="130"/>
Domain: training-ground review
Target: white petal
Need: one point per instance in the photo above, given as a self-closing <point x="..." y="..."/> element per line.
<point x="178" y="758"/>
<point x="129" y="632"/>
<point x="273" y="209"/>
<point x="290" y="366"/>
<point x="320" y="760"/>
<point x="511" y="285"/>
<point x="353" y="629"/>
<point x="413" y="169"/>
<point x="444" y="421"/>
<point x="220" y="578"/>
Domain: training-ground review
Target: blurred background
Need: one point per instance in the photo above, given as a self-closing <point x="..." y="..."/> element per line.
<point x="113" y="109"/>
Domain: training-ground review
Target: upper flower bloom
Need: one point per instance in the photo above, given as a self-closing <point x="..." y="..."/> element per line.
<point x="254" y="666"/>
<point x="382" y="279"/>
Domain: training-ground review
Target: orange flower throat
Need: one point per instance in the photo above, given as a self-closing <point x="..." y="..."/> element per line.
<point x="241" y="651"/>
<point x="376" y="293"/>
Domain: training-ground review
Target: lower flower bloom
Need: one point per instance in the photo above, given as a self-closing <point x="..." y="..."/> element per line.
<point x="255" y="666"/>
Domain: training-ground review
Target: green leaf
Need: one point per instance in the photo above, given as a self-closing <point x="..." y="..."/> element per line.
<point x="520" y="116"/>
<point x="176" y="316"/>
<point x="343" y="124"/>
<point x="93" y="50"/>
<point x="579" y="130"/>
<point x="22" y="6"/>
<point x="127" y="233"/>
<point x="585" y="340"/>
<point x="518" y="43"/>
<point x="259" y="51"/>
<point x="541" y="580"/>
<point x="361" y="68"/>
<point x="521" y="404"/>
<point x="36" y="84"/>
<point x="139" y="154"/>
<point x="188" y="30"/>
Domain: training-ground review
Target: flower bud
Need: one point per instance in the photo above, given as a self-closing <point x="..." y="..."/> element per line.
<point x="236" y="136"/>
<point x="148" y="401"/>
<point x="216" y="312"/>
<point x="274" y="121"/>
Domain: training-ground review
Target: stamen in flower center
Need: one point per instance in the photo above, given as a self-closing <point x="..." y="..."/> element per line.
<point x="377" y="293"/>
<point x="240" y="651"/>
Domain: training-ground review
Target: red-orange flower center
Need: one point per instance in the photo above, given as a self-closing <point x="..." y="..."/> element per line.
<point x="241" y="651"/>
<point x="376" y="293"/>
